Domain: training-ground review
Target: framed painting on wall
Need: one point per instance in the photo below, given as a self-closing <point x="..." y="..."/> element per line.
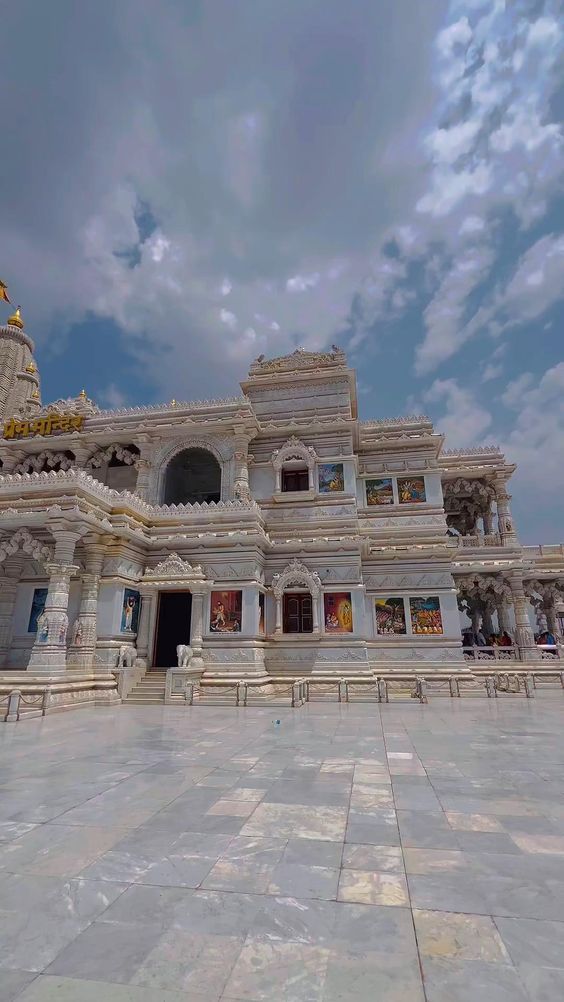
<point x="130" y="611"/>
<point x="390" y="617"/>
<point x="426" y="615"/>
<point x="37" y="607"/>
<point x="379" y="492"/>
<point x="226" y="611"/>
<point x="411" y="490"/>
<point x="261" y="626"/>
<point x="338" y="612"/>
<point x="331" y="477"/>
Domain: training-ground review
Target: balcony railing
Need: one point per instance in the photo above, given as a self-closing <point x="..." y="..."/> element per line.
<point x="549" y="652"/>
<point x="491" y="653"/>
<point x="491" y="539"/>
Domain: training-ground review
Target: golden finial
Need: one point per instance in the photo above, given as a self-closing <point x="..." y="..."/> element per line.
<point x="16" y="319"/>
<point x="35" y="394"/>
<point x="31" y="368"/>
<point x="173" y="402"/>
<point x="82" y="394"/>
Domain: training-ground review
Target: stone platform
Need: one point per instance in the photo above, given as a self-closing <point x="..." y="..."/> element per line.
<point x="342" y="852"/>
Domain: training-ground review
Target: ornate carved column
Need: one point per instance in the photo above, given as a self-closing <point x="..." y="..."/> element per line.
<point x="488" y="521"/>
<point x="10" y="459"/>
<point x="82" y="649"/>
<point x="504" y="517"/>
<point x="241" y="471"/>
<point x="524" y="636"/>
<point x="144" y="465"/>
<point x="503" y="619"/>
<point x="49" y="652"/>
<point x="278" y="623"/>
<point x="146" y="615"/>
<point x="10" y="572"/>
<point x="196" y="639"/>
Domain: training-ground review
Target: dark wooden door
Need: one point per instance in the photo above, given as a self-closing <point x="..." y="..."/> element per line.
<point x="298" y="612"/>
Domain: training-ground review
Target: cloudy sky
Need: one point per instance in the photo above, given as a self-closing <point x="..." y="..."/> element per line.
<point x="187" y="184"/>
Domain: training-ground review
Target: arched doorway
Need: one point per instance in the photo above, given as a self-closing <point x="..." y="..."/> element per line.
<point x="193" y="475"/>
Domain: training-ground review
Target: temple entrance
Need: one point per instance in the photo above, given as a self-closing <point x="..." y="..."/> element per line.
<point x="173" y="626"/>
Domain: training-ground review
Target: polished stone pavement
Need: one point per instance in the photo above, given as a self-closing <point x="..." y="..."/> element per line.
<point x="348" y="853"/>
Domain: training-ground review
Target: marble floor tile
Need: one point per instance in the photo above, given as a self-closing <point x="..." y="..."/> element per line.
<point x="459" y="937"/>
<point x="298" y="821"/>
<point x="371" y="977"/>
<point x="473" y="822"/>
<point x="235" y="808"/>
<point x="304" y="881"/>
<point x="12" y="983"/>
<point x="368" y="888"/>
<point x="532" y="941"/>
<point x="435" y="860"/>
<point x="57" y="850"/>
<point x="274" y="971"/>
<point x="542" y="984"/>
<point x="471" y="981"/>
<point x="55" y="989"/>
<point x="189" y="962"/>
<point x="246" y="875"/>
<point x="313" y="852"/>
<point x="552" y="844"/>
<point x="382" y="858"/>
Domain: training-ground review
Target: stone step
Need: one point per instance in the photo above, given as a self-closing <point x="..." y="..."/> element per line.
<point x="144" y="701"/>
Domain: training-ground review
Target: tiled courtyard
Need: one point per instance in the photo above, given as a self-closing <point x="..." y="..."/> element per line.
<point x="386" y="854"/>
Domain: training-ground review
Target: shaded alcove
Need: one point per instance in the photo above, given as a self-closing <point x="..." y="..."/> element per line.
<point x="193" y="475"/>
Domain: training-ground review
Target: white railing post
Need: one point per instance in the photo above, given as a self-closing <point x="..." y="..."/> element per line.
<point x="529" y="687"/>
<point x="13" y="712"/>
<point x="490" y="687"/>
<point x="45" y="701"/>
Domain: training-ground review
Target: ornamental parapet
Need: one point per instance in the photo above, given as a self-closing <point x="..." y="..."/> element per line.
<point x="37" y="485"/>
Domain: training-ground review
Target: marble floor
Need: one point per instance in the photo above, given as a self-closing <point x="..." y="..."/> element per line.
<point x="335" y="853"/>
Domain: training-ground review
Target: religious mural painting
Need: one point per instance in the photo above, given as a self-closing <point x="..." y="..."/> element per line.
<point x="338" y="612"/>
<point x="261" y="626"/>
<point x="380" y="491"/>
<point x="426" y="615"/>
<point x="390" y="617"/>
<point x="37" y="607"/>
<point x="411" y="490"/>
<point x="226" y="611"/>
<point x="130" y="611"/>
<point x="331" y="477"/>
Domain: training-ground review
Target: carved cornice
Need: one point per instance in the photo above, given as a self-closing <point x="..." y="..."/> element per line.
<point x="293" y="448"/>
<point x="298" y="361"/>
<point x="174" y="568"/>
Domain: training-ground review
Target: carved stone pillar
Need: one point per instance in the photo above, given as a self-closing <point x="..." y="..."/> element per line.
<point x="10" y="572"/>
<point x="487" y="624"/>
<point x="82" y="650"/>
<point x="278" y="622"/>
<point x="241" y="472"/>
<point x="10" y="459"/>
<point x="503" y="619"/>
<point x="49" y="652"/>
<point x="196" y="639"/>
<point x="146" y="616"/>
<point x="553" y="622"/>
<point x="488" y="522"/>
<point x="315" y="602"/>
<point x="524" y="636"/>
<point x="505" y="523"/>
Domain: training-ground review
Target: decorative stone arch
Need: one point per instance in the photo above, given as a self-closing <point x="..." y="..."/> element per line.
<point x="297" y="575"/>
<point x="116" y="466"/>
<point x="23" y="540"/>
<point x="46" y="461"/>
<point x="294" y="450"/>
<point x="220" y="449"/>
<point x="124" y="453"/>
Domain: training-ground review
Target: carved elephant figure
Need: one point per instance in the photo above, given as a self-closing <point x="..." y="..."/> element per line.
<point x="183" y="655"/>
<point x="126" y="656"/>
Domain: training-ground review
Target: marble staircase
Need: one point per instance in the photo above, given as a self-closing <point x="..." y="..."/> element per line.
<point x="149" y="690"/>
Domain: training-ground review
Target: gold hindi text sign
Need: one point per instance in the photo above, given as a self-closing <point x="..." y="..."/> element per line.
<point x="49" y="424"/>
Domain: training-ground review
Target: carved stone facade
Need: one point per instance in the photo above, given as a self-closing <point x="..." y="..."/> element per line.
<point x="388" y="549"/>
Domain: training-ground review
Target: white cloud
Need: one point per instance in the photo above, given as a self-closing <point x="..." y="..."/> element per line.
<point x="472" y="224"/>
<point x="491" y="371"/>
<point x="301" y="283"/>
<point x="464" y="419"/>
<point x="228" y="318"/>
<point x="513" y="393"/>
<point x="444" y="316"/>
<point x="226" y="287"/>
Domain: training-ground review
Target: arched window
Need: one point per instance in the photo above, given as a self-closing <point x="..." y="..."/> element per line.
<point x="192" y="475"/>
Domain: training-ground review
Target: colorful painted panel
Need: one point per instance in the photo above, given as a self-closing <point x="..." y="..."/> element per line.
<point x="130" y="611"/>
<point x="37" y="607"/>
<point x="261" y="626"/>
<point x="411" y="490"/>
<point x="390" y="616"/>
<point x="331" y="477"/>
<point x="338" y="612"/>
<point x="379" y="491"/>
<point x="226" y="611"/>
<point x="426" y="615"/>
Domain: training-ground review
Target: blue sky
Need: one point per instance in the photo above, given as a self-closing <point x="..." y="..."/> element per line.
<point x="189" y="184"/>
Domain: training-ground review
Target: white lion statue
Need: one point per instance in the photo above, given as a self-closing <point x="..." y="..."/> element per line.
<point x="183" y="655"/>
<point x="126" y="656"/>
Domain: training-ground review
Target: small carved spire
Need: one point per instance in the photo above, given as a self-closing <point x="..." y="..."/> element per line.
<point x="16" y="319"/>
